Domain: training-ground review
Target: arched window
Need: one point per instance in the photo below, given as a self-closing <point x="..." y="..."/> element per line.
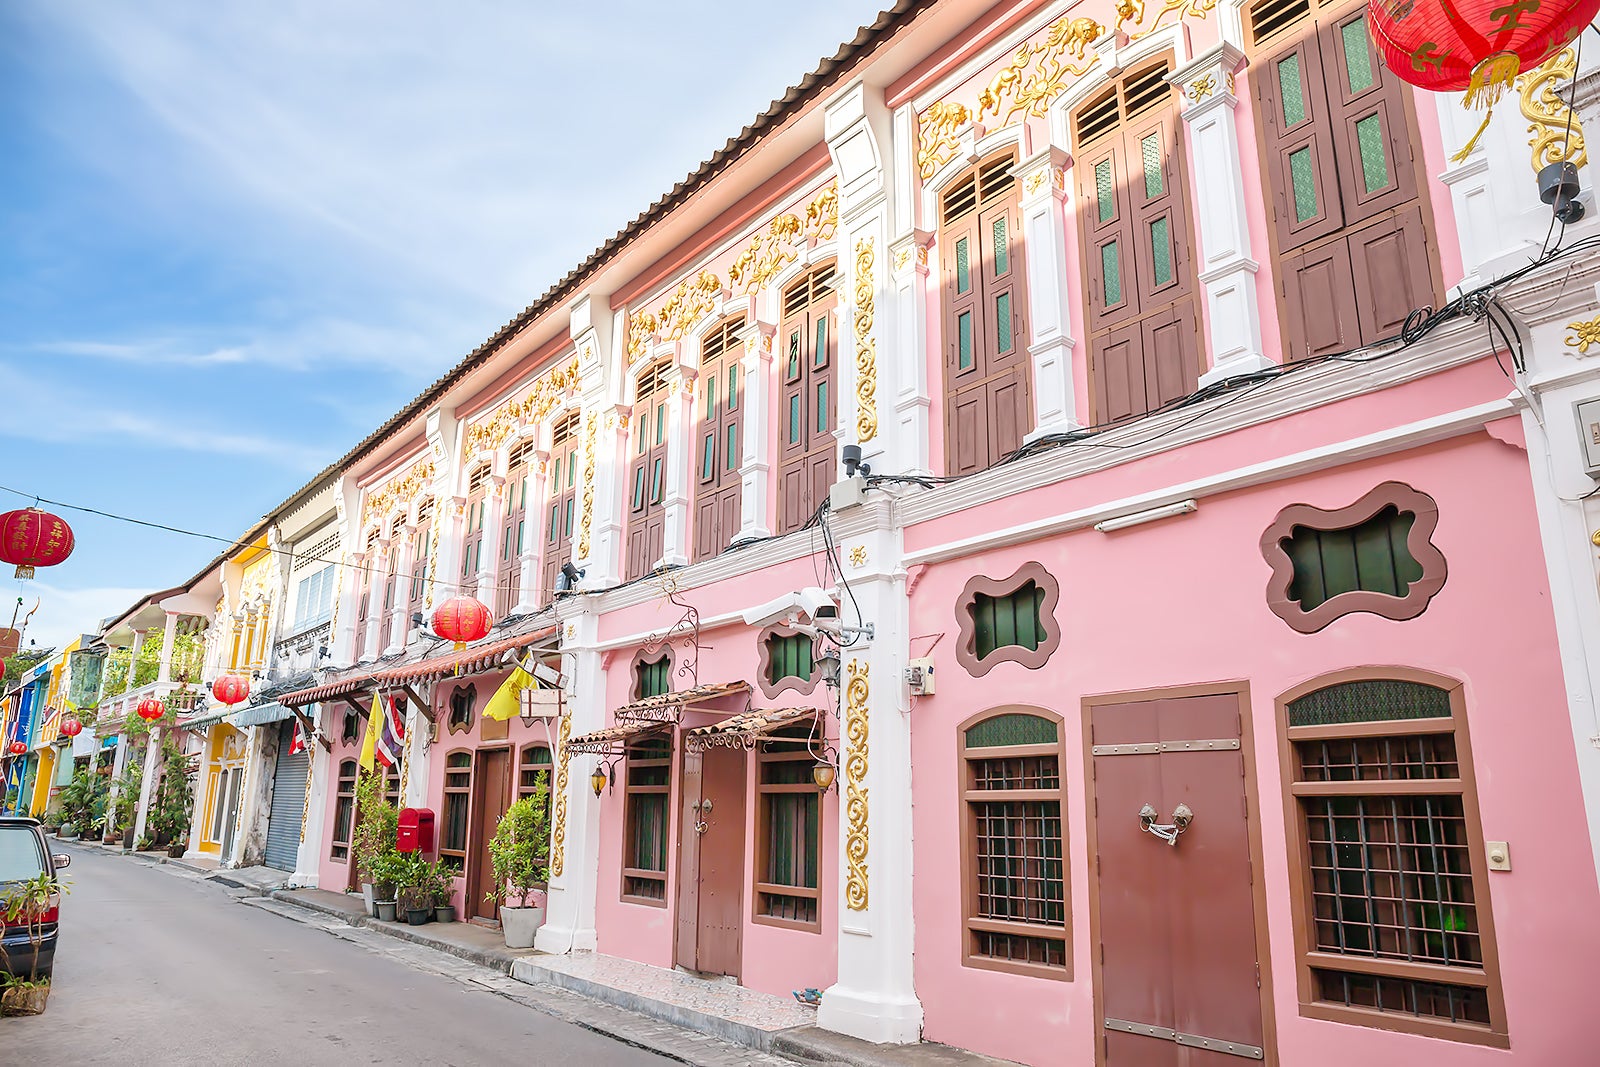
<point x="1336" y="129"/>
<point x="457" y="799"/>
<point x="987" y="406"/>
<point x="1137" y="247"/>
<point x="513" y="531"/>
<point x="647" y="475"/>
<point x="561" y="491"/>
<point x="807" y="448"/>
<point x="344" y="808"/>
<point x="716" y="495"/>
<point x="1389" y="888"/>
<point x="1015" y="883"/>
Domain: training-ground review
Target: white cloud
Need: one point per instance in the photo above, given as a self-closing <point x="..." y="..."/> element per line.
<point x="65" y="614"/>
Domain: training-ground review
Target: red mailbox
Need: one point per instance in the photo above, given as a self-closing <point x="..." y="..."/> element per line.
<point x="416" y="831"/>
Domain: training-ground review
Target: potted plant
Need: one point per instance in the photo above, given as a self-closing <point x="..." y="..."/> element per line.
<point x="520" y="855"/>
<point x="168" y="821"/>
<point x="387" y="870"/>
<point x="441" y="880"/>
<point x="372" y="841"/>
<point x="415" y="900"/>
<point x="29" y="904"/>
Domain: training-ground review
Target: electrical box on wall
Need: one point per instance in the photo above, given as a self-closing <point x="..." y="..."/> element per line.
<point x="1589" y="435"/>
<point x="919" y="676"/>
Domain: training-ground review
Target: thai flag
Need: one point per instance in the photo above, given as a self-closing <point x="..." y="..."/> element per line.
<point x="391" y="739"/>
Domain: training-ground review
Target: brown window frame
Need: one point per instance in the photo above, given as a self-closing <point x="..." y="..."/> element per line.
<point x="1032" y="659"/>
<point x="787" y="747"/>
<point x="719" y="439"/>
<point x="344" y="809"/>
<point x="968" y="798"/>
<point x="513" y="530"/>
<point x="788" y="683"/>
<point x="632" y="877"/>
<point x="391" y="578"/>
<point x="1307" y="958"/>
<point x="561" y="500"/>
<point x="642" y="661"/>
<point x="421" y="549"/>
<point x="467" y="695"/>
<point x="988" y="403"/>
<point x="646" y="488"/>
<point x="364" y="604"/>
<point x="529" y="764"/>
<point x="807" y="447"/>
<point x="472" y="525"/>
<point x="457" y="791"/>
<point x="1419" y="542"/>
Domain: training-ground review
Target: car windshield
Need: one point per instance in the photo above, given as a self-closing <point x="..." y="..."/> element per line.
<point x="20" y="854"/>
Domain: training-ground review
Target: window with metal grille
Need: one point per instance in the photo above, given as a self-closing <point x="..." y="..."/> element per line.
<point x="1391" y="893"/>
<point x="986" y="368"/>
<point x="652" y="678"/>
<point x="1346" y="197"/>
<point x="344" y="808"/>
<point x="721" y="442"/>
<point x="457" y="802"/>
<point x="790" y="812"/>
<point x="647" y="474"/>
<point x="561" y="495"/>
<point x="807" y="399"/>
<point x="1014" y="861"/>
<point x="648" y="770"/>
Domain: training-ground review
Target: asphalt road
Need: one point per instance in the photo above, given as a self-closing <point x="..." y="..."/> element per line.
<point x="159" y="969"/>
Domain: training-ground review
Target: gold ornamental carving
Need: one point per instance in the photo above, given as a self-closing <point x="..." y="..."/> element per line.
<point x="1584" y="334"/>
<point x="1133" y="11"/>
<point x="588" y="485"/>
<point x="558" y="836"/>
<point x="936" y="141"/>
<point x="1549" y="115"/>
<point x="542" y="398"/>
<point x="1201" y="88"/>
<point x="855" y="789"/>
<point x="858" y="556"/>
<point x="311" y="776"/>
<point x="772" y="249"/>
<point x="641" y="329"/>
<point x="403" y="489"/>
<point x="692" y="301"/>
<point x="822" y="215"/>
<point x="866" y="348"/>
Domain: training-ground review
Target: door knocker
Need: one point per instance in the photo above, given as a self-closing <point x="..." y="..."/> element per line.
<point x="1182" y="816"/>
<point x="704" y="809"/>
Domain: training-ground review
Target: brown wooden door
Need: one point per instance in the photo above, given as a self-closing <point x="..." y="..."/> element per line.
<point x="647" y="474"/>
<point x="491" y="796"/>
<point x="1178" y="962"/>
<point x="711" y="870"/>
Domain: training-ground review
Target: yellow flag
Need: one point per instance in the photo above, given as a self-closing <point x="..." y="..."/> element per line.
<point x="507" y="700"/>
<point x="369" y="743"/>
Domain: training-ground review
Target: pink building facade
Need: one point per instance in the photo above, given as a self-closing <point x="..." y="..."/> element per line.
<point x="1038" y="551"/>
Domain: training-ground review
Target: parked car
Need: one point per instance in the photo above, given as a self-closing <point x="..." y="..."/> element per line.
<point x="24" y="855"/>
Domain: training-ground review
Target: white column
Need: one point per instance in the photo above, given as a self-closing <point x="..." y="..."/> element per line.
<point x="875" y="997"/>
<point x="575" y="830"/>
<point x="1227" y="272"/>
<point x="399" y="623"/>
<point x="308" y="859"/>
<point x="169" y="636"/>
<point x="349" y="609"/>
<point x="675" y="494"/>
<point x="418" y="749"/>
<point x="534" y="505"/>
<point x="755" y="468"/>
<point x="1044" y="225"/>
<point x="378" y="561"/>
<point x="449" y="525"/>
<point x="494" y="513"/>
<point x="907" y="328"/>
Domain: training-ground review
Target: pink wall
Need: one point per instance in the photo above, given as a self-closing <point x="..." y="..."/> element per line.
<point x="1182" y="601"/>
<point x="333" y="875"/>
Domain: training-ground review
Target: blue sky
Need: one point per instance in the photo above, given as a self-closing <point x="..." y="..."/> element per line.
<point x="234" y="236"/>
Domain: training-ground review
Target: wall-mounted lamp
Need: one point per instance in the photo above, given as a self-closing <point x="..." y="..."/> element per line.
<point x="598" y="779"/>
<point x="828" y="667"/>
<point x="569" y="578"/>
<point x="823" y="774"/>
<point x="1165" y="511"/>
<point x="417" y="619"/>
<point x="851" y="454"/>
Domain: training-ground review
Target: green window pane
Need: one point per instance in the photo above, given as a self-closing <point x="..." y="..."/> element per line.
<point x="732" y="450"/>
<point x="1372" y="557"/>
<point x="964" y="340"/>
<point x="1008" y="621"/>
<point x="819" y="355"/>
<point x="661" y="422"/>
<point x="655" y="483"/>
<point x="570" y="502"/>
<point x="1002" y="248"/>
<point x="822" y="407"/>
<point x="1374" y="167"/>
<point x="1372" y="700"/>
<point x="794" y="419"/>
<point x="572" y="470"/>
<point x="638" y="488"/>
<point x="1111" y="273"/>
<point x="963" y="267"/>
<point x="1305" y="184"/>
<point x="1357" y="57"/>
<point x="521" y="529"/>
<point x="733" y="388"/>
<point x="794" y="355"/>
<point x="1289" y="89"/>
<point x="1002" y="318"/>
<point x="1150" y="148"/>
<point x="644" y="429"/>
<point x="1012" y="729"/>
<point x="1161" y="250"/>
<point x="1102" y="190"/>
<point x="708" y="457"/>
<point x="711" y="398"/>
<point x="555" y="514"/>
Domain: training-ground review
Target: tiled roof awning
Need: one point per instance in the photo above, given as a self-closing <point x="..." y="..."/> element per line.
<point x="482" y="657"/>
<point x="668" y="707"/>
<point x="747" y="728"/>
<point x="261" y="715"/>
<point x="613" y="740"/>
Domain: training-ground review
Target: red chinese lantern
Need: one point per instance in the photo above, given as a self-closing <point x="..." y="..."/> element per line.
<point x="32" y="538"/>
<point x="461" y="619"/>
<point x="18" y="748"/>
<point x="150" y="709"/>
<point x="71" y="727"/>
<point x="231" y="688"/>
<point x="1476" y="46"/>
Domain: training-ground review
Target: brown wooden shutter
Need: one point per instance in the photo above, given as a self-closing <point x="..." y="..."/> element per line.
<point x="561" y="489"/>
<point x="719" y="441"/>
<point x="808" y="405"/>
<point x="647" y="472"/>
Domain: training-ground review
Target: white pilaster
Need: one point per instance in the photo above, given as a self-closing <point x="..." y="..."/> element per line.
<point x="570" y="919"/>
<point x="308" y="858"/>
<point x="398" y="623"/>
<point x="755" y="470"/>
<point x="344" y="647"/>
<point x="378" y="561"/>
<point x="1227" y="273"/>
<point x="494" y="514"/>
<point x="535" y="506"/>
<point x="168" y="638"/>
<point x="1044" y="226"/>
<point x="676" y="498"/>
<point x="597" y="541"/>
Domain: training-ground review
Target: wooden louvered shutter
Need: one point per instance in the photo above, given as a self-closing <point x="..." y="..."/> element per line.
<point x="720" y="439"/>
<point x="1298" y="132"/>
<point x="561" y="490"/>
<point x="647" y="473"/>
<point x="808" y="404"/>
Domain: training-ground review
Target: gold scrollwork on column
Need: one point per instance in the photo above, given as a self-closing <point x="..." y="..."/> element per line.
<point x="855" y="776"/>
<point x="1556" y="136"/>
<point x="588" y="486"/>
<point x="311" y="774"/>
<point x="866" y="349"/>
<point x="558" y="837"/>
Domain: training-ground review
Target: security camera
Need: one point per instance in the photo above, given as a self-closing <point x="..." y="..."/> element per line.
<point x="809" y="603"/>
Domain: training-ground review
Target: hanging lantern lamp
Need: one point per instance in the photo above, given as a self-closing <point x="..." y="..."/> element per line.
<point x="822" y="774"/>
<point x="231" y="689"/>
<point x="461" y="620"/>
<point x="150" y="709"/>
<point x="598" y="779"/>
<point x="1474" y="46"/>
<point x="18" y="748"/>
<point x="32" y="538"/>
<point x="71" y="726"/>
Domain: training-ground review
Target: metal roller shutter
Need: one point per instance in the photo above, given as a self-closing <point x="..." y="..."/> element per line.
<point x="288" y="802"/>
